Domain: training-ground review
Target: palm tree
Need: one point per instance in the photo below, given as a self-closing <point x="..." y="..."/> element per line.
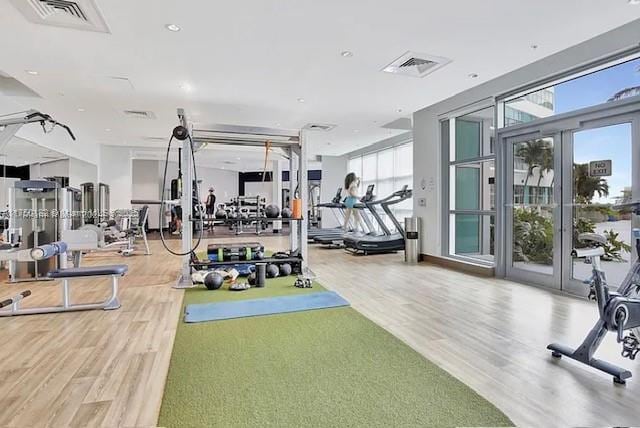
<point x="546" y="165"/>
<point x="585" y="186"/>
<point x="532" y="153"/>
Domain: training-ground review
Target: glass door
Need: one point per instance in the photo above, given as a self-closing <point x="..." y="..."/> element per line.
<point x="563" y="177"/>
<point x="599" y="161"/>
<point x="533" y="210"/>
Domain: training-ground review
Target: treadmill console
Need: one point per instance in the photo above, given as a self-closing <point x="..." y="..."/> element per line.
<point x="369" y="196"/>
<point x="336" y="199"/>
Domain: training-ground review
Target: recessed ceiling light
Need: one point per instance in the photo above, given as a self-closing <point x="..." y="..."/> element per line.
<point x="346" y="54"/>
<point x="173" y="27"/>
<point x="634" y="2"/>
<point x="473" y="75"/>
<point x="399" y="110"/>
<point x="534" y="46"/>
<point x="108" y="129"/>
<point x="81" y="109"/>
<point x="186" y="87"/>
<point x="301" y="100"/>
<point x="356" y="130"/>
<point x="32" y="72"/>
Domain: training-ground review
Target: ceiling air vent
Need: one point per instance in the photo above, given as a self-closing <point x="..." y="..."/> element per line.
<point x="416" y="64"/>
<point x="77" y="14"/>
<point x="140" y="114"/>
<point x="319" y="127"/>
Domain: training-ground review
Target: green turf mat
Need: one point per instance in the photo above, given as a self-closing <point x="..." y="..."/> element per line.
<point x="282" y="286"/>
<point x="328" y="368"/>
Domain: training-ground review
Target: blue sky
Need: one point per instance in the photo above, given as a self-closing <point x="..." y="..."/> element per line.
<point x="612" y="142"/>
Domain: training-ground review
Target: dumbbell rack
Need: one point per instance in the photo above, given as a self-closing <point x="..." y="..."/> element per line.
<point x="294" y="261"/>
<point x="239" y="223"/>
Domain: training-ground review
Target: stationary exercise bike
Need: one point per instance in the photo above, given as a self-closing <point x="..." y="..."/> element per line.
<point x="619" y="311"/>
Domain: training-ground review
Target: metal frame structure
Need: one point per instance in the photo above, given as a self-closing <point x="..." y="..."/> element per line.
<point x="290" y="142"/>
<point x="11" y="124"/>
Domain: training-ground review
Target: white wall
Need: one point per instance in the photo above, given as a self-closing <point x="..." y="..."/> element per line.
<point x="334" y="169"/>
<point x="5" y="184"/>
<point x="115" y="170"/>
<point x="258" y="188"/>
<point x="146" y="183"/>
<point x="57" y="168"/>
<point x="81" y="172"/>
<point x="224" y="181"/>
<point x="427" y="157"/>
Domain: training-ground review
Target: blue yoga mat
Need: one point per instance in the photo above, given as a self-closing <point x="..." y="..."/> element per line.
<point x="265" y="306"/>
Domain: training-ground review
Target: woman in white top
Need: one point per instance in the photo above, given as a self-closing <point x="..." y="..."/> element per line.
<point x="351" y="183"/>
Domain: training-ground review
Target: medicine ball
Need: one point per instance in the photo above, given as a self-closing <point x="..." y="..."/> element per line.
<point x="251" y="279"/>
<point x="259" y="255"/>
<point x="272" y="271"/>
<point x="213" y="281"/>
<point x="285" y="269"/>
<point x="221" y="214"/>
<point x="272" y="211"/>
<point x="286" y="213"/>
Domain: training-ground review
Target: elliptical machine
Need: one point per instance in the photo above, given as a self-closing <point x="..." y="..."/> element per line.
<point x="619" y="311"/>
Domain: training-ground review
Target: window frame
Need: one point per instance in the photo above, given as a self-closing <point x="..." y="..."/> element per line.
<point x="448" y="151"/>
<point x="394" y="178"/>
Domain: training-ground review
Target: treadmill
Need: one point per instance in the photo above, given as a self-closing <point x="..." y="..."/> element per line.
<point x="336" y="240"/>
<point x="387" y="242"/>
<point x="337" y="208"/>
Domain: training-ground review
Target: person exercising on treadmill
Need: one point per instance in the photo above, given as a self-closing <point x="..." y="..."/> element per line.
<point x="351" y="183"/>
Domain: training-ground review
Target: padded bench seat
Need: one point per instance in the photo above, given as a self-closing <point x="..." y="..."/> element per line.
<point x="89" y="271"/>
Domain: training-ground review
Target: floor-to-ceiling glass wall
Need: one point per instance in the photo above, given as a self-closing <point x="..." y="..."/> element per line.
<point x="470" y="174"/>
<point x="584" y="125"/>
<point x="388" y="170"/>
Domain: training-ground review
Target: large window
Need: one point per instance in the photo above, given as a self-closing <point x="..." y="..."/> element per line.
<point x="389" y="170"/>
<point x="609" y="83"/>
<point x="470" y="211"/>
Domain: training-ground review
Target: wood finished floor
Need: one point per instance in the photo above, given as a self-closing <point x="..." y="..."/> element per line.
<point x="108" y="369"/>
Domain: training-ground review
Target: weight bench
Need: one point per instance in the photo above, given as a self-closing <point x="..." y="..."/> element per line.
<point x="67" y="275"/>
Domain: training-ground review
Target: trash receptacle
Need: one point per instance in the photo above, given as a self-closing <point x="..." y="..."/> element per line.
<point x="412" y="239"/>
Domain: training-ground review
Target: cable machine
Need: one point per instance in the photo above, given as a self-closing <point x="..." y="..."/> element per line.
<point x="195" y="137"/>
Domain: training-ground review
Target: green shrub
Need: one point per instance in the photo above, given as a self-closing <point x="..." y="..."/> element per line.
<point x="614" y="247"/>
<point x="533" y="237"/>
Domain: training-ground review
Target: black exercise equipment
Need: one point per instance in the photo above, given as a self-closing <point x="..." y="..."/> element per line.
<point x="261" y="273"/>
<point x="213" y="281"/>
<point x="618" y="311"/>
<point x="302" y="282"/>
<point x="388" y="241"/>
<point x="286" y="213"/>
<point x="272" y="211"/>
<point x="272" y="271"/>
<point x="251" y="279"/>
<point x="15" y="299"/>
<point x="335" y="239"/>
<point x="336" y="206"/>
<point x="241" y="251"/>
<point x="221" y="214"/>
<point x="285" y="269"/>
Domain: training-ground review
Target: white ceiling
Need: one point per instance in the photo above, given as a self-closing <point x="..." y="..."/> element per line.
<point x="248" y="62"/>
